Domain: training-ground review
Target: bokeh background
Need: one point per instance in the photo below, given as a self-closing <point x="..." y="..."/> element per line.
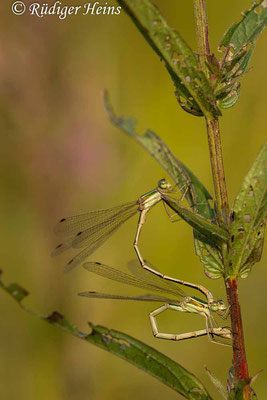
<point x="60" y="156"/>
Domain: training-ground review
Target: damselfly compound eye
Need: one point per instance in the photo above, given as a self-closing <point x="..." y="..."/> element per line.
<point x="164" y="184"/>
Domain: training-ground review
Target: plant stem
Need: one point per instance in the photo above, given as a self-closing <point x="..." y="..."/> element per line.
<point x="202" y="32"/>
<point x="216" y="159"/>
<point x="213" y="128"/>
<point x="240" y="361"/>
<point x="222" y="205"/>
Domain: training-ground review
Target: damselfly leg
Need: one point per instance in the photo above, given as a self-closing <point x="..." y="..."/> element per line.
<point x="222" y="332"/>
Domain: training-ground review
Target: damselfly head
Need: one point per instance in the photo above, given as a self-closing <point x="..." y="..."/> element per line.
<point x="164" y="184"/>
<point x="218" y="305"/>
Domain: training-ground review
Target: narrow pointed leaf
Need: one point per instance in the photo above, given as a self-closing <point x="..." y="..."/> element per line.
<point x="217" y="383"/>
<point x="180" y="60"/>
<point x="212" y="232"/>
<point x="249" y="217"/>
<point x="126" y="347"/>
<point x="152" y="361"/>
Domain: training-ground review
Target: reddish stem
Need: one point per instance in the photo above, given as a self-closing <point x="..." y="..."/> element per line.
<point x="239" y="351"/>
<point x="214" y="139"/>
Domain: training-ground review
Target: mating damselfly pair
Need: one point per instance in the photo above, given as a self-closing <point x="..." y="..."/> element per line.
<point x="89" y="231"/>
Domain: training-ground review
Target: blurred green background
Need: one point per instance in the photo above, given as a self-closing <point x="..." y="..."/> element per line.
<point x="60" y="156"/>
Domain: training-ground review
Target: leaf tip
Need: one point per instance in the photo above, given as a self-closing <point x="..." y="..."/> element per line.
<point x="108" y="106"/>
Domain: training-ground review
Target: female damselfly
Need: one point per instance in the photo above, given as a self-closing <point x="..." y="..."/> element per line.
<point x="166" y="286"/>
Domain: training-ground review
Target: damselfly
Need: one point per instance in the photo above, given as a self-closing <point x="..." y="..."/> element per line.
<point x="166" y="286"/>
<point x="89" y="231"/>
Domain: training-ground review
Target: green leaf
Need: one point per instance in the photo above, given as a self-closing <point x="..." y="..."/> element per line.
<point x="219" y="386"/>
<point x="227" y="36"/>
<point x="195" y="192"/>
<point x="183" y="96"/>
<point x="255" y="255"/>
<point x="212" y="232"/>
<point x="237" y="393"/>
<point x="210" y="256"/>
<point x="180" y="60"/>
<point x="126" y="347"/>
<point x="229" y="97"/>
<point x="248" y="218"/>
<point x="241" y="34"/>
<point x="239" y="43"/>
<point x="150" y="360"/>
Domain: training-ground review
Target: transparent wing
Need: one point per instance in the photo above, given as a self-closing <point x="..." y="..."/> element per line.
<point x="62" y="247"/>
<point x="146" y="276"/>
<point x="145" y="297"/>
<point x="97" y="231"/>
<point x="94" y="236"/>
<point x="72" y="225"/>
<point x="122" y="277"/>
